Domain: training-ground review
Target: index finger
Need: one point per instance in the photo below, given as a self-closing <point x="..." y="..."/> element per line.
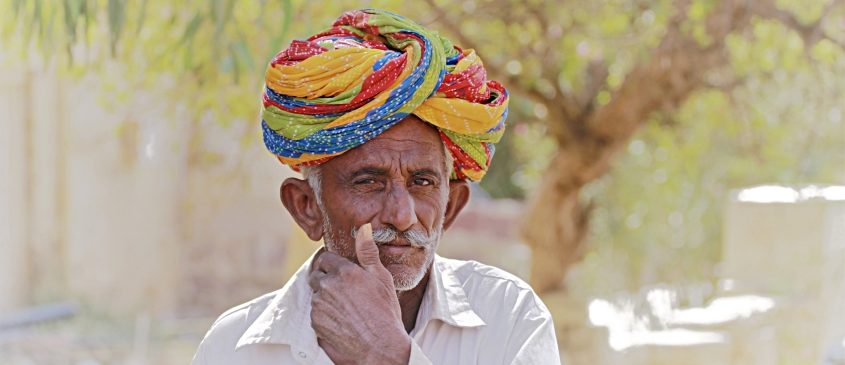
<point x="366" y="249"/>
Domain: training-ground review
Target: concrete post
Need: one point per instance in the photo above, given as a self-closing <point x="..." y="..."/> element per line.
<point x="789" y="242"/>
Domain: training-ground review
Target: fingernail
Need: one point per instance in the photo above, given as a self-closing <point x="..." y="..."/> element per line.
<point x="367" y="230"/>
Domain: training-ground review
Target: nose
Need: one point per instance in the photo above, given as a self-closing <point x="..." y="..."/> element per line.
<point x="398" y="208"/>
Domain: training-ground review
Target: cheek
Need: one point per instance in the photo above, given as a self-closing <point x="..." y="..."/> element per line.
<point x="347" y="200"/>
<point x="365" y="206"/>
<point x="354" y="210"/>
<point x="430" y="211"/>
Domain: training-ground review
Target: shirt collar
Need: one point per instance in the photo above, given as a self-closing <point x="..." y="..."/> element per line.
<point x="287" y="318"/>
<point x="446" y="299"/>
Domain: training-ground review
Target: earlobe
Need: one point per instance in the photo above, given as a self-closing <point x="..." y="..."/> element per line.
<point x="299" y="200"/>
<point x="458" y="198"/>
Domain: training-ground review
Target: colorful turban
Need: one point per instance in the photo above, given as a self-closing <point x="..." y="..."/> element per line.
<point x="344" y="86"/>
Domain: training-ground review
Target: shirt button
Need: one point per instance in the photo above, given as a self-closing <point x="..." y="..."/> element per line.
<point x="302" y="355"/>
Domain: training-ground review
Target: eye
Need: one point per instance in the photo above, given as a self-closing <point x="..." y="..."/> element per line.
<point x="366" y="181"/>
<point x="423" y="181"/>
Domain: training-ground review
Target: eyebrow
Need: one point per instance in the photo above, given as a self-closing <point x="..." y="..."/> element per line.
<point x="376" y="171"/>
<point x="424" y="171"/>
<point x="368" y="171"/>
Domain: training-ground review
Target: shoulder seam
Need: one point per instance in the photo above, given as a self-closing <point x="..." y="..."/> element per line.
<point x="517" y="283"/>
<point x="231" y="311"/>
<point x="240" y="307"/>
<point x="511" y="278"/>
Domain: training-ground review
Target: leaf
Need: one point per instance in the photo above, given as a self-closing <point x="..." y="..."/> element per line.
<point x="277" y="41"/>
<point x="51" y="20"/>
<point x="242" y="51"/>
<point x="142" y="14"/>
<point x="192" y="27"/>
<point x="233" y="56"/>
<point x="35" y="21"/>
<point x="17" y="5"/>
<point x="116" y="15"/>
<point x="615" y="22"/>
<point x="71" y="17"/>
<point x="287" y="17"/>
<point x="88" y="11"/>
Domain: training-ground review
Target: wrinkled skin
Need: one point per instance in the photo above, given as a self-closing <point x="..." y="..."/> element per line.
<point x="397" y="180"/>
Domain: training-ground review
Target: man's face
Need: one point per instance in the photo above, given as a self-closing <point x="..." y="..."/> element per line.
<point x="399" y="183"/>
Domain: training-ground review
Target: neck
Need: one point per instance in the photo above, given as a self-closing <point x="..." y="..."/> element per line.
<point x="410" y="301"/>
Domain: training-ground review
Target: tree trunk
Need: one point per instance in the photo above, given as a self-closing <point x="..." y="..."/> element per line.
<point x="556" y="225"/>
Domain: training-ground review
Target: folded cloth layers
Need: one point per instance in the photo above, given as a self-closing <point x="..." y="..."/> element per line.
<point x="346" y="85"/>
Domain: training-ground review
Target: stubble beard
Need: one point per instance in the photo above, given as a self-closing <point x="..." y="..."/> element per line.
<point x="402" y="281"/>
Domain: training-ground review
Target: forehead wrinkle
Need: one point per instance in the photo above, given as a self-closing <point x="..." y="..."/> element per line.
<point x="386" y="150"/>
<point x="392" y="163"/>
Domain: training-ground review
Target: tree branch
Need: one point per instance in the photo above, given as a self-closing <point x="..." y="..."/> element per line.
<point x="809" y="33"/>
<point x="677" y="68"/>
<point x="596" y="80"/>
<point x="563" y="107"/>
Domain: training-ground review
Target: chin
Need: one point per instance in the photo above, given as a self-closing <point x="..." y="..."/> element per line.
<point x="408" y="271"/>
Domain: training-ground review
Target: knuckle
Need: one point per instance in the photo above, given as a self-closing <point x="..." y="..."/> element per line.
<point x="323" y="258"/>
<point x="324" y="285"/>
<point x="346" y="270"/>
<point x="315" y="283"/>
<point x="328" y="284"/>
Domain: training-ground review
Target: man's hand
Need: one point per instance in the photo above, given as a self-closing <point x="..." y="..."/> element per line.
<point x="354" y="309"/>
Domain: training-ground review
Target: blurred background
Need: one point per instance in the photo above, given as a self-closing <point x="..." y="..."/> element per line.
<point x="672" y="181"/>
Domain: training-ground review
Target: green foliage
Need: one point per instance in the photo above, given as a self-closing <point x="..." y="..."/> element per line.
<point x="217" y="49"/>
<point x="658" y="213"/>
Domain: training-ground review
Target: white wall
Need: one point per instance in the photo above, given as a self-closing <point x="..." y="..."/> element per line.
<point x="114" y="204"/>
<point x="13" y="196"/>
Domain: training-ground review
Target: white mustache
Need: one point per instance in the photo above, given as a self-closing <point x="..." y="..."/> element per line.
<point x="386" y="235"/>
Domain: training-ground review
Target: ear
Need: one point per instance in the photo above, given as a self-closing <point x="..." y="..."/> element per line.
<point x="458" y="198"/>
<point x="300" y="201"/>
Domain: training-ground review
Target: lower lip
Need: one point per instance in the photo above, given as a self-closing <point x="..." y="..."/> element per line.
<point x="395" y="250"/>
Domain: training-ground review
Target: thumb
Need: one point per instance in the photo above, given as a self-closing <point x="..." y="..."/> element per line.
<point x="366" y="250"/>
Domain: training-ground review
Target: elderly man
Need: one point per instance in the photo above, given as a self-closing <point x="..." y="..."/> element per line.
<point x="387" y="121"/>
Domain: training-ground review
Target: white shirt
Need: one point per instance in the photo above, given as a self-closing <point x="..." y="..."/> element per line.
<point x="470" y="313"/>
